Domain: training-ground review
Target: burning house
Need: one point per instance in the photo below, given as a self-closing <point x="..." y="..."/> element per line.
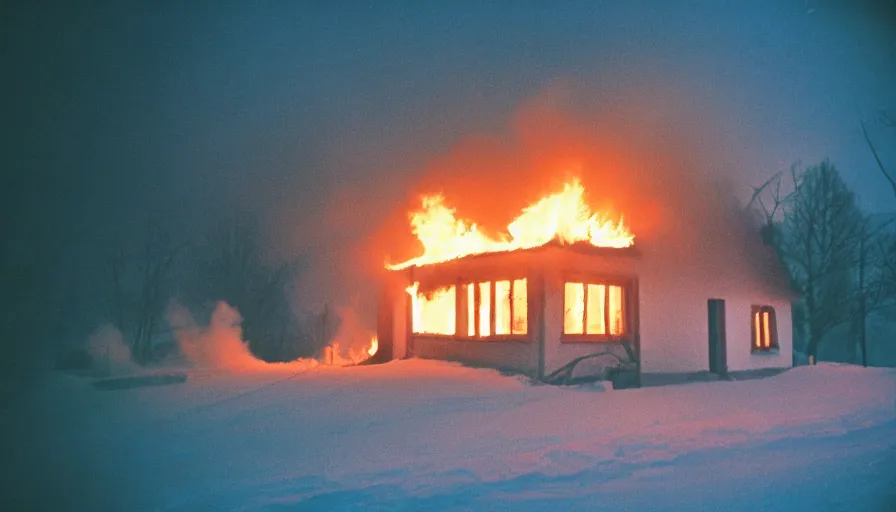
<point x="568" y="293"/>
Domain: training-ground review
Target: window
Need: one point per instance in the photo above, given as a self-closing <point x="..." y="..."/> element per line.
<point x="764" y="329"/>
<point x="487" y="309"/>
<point x="433" y="312"/>
<point x="594" y="311"/>
<point x="494" y="308"/>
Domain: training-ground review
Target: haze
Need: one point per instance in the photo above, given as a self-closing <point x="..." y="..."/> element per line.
<point x="325" y="122"/>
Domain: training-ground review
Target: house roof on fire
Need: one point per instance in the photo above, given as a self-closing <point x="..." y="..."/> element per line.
<point x="579" y="247"/>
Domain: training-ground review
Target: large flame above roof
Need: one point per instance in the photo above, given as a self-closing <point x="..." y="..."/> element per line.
<point x="562" y="216"/>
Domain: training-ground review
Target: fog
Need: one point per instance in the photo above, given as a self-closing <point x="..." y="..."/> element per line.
<point x="325" y="124"/>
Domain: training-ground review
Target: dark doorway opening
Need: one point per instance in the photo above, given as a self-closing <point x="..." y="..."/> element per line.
<point x="718" y="359"/>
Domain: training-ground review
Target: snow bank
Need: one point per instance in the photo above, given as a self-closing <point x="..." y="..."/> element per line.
<point x="425" y="435"/>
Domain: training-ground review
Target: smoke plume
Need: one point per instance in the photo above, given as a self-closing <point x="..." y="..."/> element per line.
<point x="219" y="344"/>
<point x="111" y="356"/>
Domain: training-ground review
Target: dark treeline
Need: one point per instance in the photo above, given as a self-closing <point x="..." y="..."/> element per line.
<point x="153" y="270"/>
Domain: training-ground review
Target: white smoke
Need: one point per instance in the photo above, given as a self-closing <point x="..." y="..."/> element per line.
<point x="111" y="356"/>
<point x="219" y="344"/>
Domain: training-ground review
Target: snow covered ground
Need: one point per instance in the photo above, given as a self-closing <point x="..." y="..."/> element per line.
<point x="422" y="435"/>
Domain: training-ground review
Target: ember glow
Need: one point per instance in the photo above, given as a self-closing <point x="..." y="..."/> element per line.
<point x="335" y="354"/>
<point x="563" y="216"/>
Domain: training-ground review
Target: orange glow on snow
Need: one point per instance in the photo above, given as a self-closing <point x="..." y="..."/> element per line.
<point x="562" y="216"/>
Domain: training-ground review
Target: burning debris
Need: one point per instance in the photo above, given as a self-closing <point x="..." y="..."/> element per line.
<point x="335" y="354"/>
<point x="353" y="343"/>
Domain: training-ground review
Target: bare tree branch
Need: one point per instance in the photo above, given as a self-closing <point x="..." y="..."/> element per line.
<point x="880" y="164"/>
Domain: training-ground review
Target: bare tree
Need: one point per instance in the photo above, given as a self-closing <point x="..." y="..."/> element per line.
<point x="141" y="286"/>
<point x="874" y="284"/>
<point x="232" y="268"/>
<point x="816" y="228"/>
<point x="890" y="176"/>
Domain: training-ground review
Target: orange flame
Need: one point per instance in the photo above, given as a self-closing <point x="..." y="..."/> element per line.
<point x="563" y="216"/>
<point x="335" y="355"/>
<point x="433" y="313"/>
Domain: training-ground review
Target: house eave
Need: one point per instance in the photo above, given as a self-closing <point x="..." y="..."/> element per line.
<point x="578" y="247"/>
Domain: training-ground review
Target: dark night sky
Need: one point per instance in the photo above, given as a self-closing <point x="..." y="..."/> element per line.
<point x="195" y="110"/>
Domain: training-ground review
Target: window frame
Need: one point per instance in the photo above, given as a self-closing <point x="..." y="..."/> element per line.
<point x="773" y="346"/>
<point x="626" y="283"/>
<point x="462" y="316"/>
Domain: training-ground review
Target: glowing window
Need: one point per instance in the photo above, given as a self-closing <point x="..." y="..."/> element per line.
<point x="519" y="307"/>
<point x="485" y="308"/>
<point x="433" y="312"/>
<point x="594" y="309"/>
<point x="502" y="307"/>
<point x="764" y="329"/>
<point x="494" y="308"/>
<point x="470" y="309"/>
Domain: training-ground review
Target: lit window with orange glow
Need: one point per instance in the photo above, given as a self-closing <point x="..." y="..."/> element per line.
<point x="433" y="312"/>
<point x="494" y="309"/>
<point x="519" y="308"/>
<point x="764" y="329"/>
<point x="594" y="311"/>
<point x="485" y="309"/>
<point x="502" y="307"/>
<point x="470" y="309"/>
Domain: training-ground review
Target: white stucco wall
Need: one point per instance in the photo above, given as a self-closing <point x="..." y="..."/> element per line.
<point x="521" y="356"/>
<point x="739" y="333"/>
<point x="673" y="321"/>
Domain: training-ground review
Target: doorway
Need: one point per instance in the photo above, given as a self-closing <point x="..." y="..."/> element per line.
<point x="718" y="359"/>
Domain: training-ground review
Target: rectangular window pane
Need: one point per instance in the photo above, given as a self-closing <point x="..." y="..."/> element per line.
<point x="471" y="309"/>
<point x="617" y="323"/>
<point x="596" y="299"/>
<point x="573" y="308"/>
<point x="502" y="307"/>
<point x="520" y="307"/>
<point x="766" y="335"/>
<point x="757" y="332"/>
<point x="485" y="303"/>
<point x="434" y="313"/>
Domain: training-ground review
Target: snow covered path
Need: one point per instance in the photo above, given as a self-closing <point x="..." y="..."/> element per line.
<point x="420" y="435"/>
